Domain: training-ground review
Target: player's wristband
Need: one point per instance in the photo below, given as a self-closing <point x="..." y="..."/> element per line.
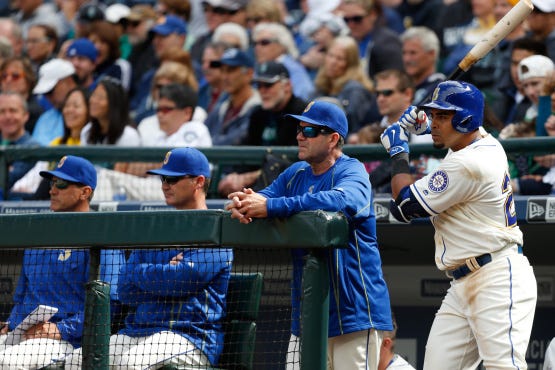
<point x="400" y="164"/>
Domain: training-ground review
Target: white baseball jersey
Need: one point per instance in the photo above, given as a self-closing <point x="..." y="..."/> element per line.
<point x="470" y="199"/>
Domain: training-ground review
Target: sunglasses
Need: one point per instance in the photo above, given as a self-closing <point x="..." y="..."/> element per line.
<point x="266" y="85"/>
<point x="312" y="131"/>
<point x="354" y="19"/>
<point x="172" y="180"/>
<point x="13" y="75"/>
<point x="61" y="184"/>
<point x="386" y="93"/>
<point x="264" y="42"/>
<point x="165" y="110"/>
<point x="219" y="10"/>
<point x="133" y="23"/>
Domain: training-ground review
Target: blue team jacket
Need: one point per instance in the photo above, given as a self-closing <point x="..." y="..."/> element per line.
<point x="359" y="298"/>
<point x="187" y="298"/>
<point x="57" y="278"/>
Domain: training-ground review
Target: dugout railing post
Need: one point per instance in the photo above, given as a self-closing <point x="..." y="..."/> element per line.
<point x="316" y="231"/>
<point x="314" y="311"/>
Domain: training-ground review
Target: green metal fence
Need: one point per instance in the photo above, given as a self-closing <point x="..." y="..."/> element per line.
<point x="315" y="231"/>
<point x="222" y="156"/>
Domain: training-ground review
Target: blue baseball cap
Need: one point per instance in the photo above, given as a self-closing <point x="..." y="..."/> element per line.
<point x="236" y="58"/>
<point x="82" y="48"/>
<point x="183" y="161"/>
<point x="170" y="24"/>
<point x="73" y="169"/>
<point x="323" y="113"/>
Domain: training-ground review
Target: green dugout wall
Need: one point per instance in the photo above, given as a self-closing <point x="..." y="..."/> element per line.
<point x="315" y="231"/>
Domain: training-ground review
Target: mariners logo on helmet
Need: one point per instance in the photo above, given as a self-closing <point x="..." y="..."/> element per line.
<point x="463" y="98"/>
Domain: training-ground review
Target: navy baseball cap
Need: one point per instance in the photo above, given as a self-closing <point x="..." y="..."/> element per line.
<point x="236" y="58"/>
<point x="183" y="161"/>
<point x="73" y="169"/>
<point x="82" y="48"/>
<point x="324" y="113"/>
<point x="270" y="72"/>
<point x="170" y="24"/>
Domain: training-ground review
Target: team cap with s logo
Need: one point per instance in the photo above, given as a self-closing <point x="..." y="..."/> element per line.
<point x="182" y="162"/>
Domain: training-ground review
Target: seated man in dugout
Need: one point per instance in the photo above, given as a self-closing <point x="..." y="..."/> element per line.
<point x="56" y="278"/>
<point x="177" y="296"/>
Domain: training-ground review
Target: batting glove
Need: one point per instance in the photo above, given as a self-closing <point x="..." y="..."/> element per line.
<point x="415" y="121"/>
<point x="395" y="140"/>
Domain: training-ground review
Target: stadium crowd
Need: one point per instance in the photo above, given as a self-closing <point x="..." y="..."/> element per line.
<point x="242" y="65"/>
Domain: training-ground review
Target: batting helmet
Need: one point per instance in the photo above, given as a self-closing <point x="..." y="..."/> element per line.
<point x="463" y="98"/>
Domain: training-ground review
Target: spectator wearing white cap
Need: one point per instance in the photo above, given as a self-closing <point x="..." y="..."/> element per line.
<point x="541" y="23"/>
<point x="533" y="72"/>
<point x="116" y="14"/>
<point x="56" y="79"/>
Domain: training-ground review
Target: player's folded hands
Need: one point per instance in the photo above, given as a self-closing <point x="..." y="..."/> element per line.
<point x="415" y="121"/>
<point x="395" y="140"/>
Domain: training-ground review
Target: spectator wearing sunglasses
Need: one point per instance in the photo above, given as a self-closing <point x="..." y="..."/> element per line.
<point x="17" y="75"/>
<point x="57" y="277"/>
<point x="274" y="42"/>
<point x="176" y="124"/>
<point x="269" y="126"/>
<point x="41" y="44"/>
<point x="187" y="286"/>
<point x="379" y="46"/>
<point x="326" y="179"/>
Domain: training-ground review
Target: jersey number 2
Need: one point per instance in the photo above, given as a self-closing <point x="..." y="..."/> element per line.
<point x="510" y="210"/>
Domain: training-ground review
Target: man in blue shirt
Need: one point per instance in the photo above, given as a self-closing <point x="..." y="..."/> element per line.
<point x="177" y="295"/>
<point x="57" y="278"/>
<point x="326" y="179"/>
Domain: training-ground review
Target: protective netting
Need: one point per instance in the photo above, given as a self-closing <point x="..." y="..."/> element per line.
<point x="164" y="308"/>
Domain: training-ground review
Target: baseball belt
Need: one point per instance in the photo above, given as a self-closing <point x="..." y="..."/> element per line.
<point x="473" y="264"/>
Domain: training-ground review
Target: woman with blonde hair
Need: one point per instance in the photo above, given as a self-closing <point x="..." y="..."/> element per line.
<point x="342" y="77"/>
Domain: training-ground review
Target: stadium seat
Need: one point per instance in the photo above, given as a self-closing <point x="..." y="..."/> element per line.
<point x="243" y="301"/>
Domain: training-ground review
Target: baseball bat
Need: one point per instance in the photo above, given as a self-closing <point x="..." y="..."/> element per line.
<point x="509" y="22"/>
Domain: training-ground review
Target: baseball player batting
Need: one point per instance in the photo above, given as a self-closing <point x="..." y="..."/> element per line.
<point x="488" y="311"/>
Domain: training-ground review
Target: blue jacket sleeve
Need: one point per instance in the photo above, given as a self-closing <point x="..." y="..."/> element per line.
<point x="111" y="261"/>
<point x="71" y="329"/>
<point x="350" y="194"/>
<point x="197" y="269"/>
